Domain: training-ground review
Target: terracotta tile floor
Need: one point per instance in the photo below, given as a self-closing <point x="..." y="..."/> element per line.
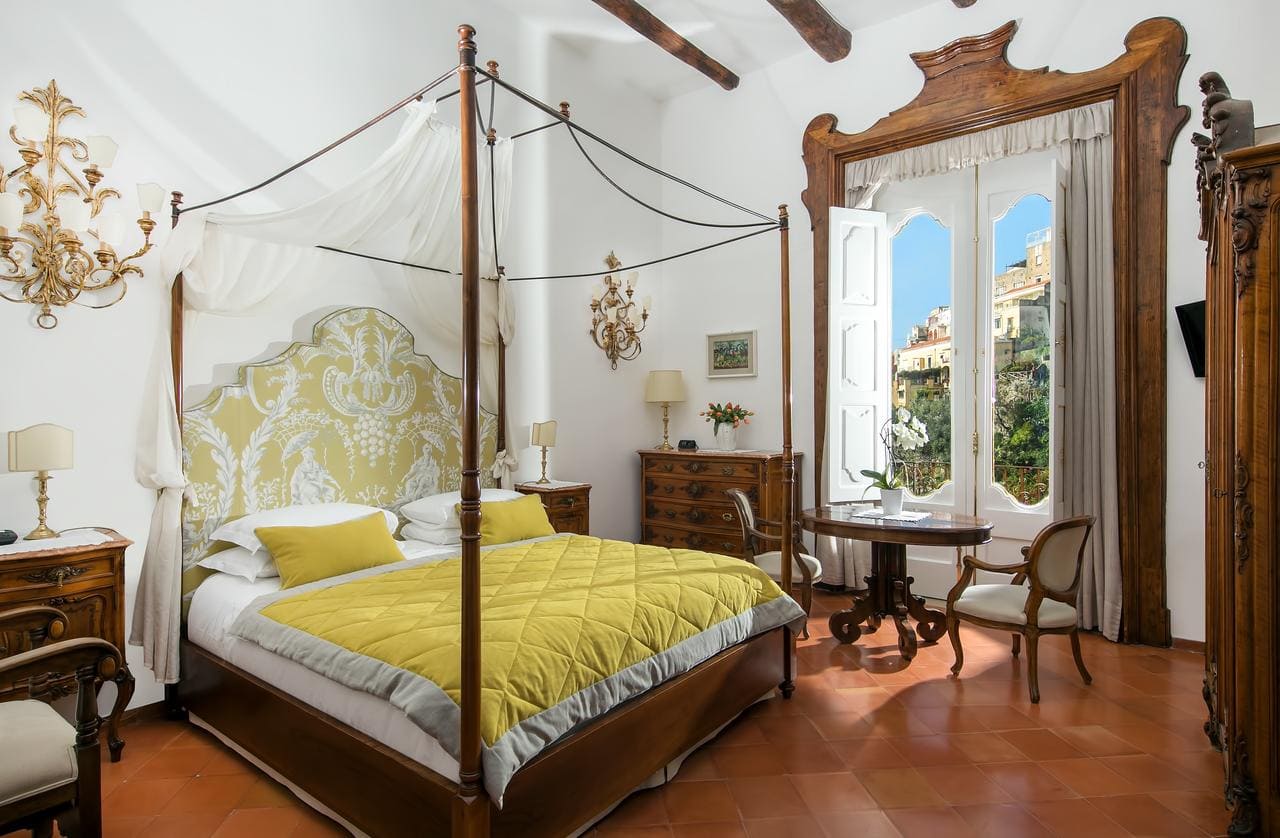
<point x="865" y="748"/>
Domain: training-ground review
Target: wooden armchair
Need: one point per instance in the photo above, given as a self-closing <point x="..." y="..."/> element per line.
<point x="805" y="571"/>
<point x="1048" y="606"/>
<point x="59" y="774"/>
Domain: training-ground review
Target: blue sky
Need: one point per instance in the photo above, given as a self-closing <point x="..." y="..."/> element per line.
<point x="922" y="260"/>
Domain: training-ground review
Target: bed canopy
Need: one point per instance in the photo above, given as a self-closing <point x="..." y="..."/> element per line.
<point x="436" y="204"/>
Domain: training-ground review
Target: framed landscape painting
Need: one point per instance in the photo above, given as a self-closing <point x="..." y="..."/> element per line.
<point x="731" y="355"/>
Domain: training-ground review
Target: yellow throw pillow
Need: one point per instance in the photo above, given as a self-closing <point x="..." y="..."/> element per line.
<point x="505" y="521"/>
<point x="306" y="554"/>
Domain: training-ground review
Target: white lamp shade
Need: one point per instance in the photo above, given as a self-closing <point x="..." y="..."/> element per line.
<point x="31" y="121"/>
<point x="150" y="197"/>
<point x="73" y="212"/>
<point x="111" y="228"/>
<point x="41" y="448"/>
<point x="102" y="150"/>
<point x="632" y="278"/>
<point x="10" y="211"/>
<point x="664" y="386"/>
<point x="543" y="433"/>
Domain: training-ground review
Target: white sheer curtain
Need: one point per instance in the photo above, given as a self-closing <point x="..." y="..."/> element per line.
<point x="406" y="206"/>
<point x="1082" y="137"/>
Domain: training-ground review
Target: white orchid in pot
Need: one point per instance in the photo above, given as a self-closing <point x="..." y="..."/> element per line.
<point x="902" y="432"/>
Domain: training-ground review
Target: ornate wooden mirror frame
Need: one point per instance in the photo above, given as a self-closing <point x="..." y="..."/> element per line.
<point x="970" y="86"/>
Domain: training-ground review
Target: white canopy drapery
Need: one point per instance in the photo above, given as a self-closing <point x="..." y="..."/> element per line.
<point x="407" y="207"/>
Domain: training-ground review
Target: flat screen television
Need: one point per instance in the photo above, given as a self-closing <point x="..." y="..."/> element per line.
<point x="1191" y="319"/>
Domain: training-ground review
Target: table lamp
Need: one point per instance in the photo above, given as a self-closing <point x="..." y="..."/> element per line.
<point x="544" y="435"/>
<point x="664" y="387"/>
<point x="42" y="449"/>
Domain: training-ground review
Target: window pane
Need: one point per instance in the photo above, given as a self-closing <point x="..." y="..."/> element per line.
<point x="922" y="348"/>
<point x="1022" y="350"/>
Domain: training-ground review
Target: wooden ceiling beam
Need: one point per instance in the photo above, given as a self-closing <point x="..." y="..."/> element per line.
<point x="818" y="28"/>
<point x="643" y="21"/>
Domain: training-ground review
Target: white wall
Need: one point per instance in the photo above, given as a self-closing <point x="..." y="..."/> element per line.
<point x="746" y="144"/>
<point x="603" y="418"/>
<point x="201" y="102"/>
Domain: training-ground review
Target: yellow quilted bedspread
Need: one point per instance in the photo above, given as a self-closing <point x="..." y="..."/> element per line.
<point x="558" y="616"/>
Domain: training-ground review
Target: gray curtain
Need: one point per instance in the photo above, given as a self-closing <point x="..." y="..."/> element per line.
<point x="1089" y="482"/>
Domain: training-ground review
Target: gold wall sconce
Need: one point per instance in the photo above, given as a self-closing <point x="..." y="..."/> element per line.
<point x="614" y="326"/>
<point x="48" y="256"/>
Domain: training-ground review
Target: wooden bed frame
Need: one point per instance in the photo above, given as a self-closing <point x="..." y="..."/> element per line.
<point x="382" y="792"/>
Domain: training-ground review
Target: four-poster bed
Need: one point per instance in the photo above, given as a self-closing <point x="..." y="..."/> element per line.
<point x="580" y="774"/>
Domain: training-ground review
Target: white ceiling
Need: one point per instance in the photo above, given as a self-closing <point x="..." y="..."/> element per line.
<point x="743" y="35"/>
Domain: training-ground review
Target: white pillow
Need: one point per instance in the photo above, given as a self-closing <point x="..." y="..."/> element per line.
<point x="240" y="531"/>
<point x="432" y="534"/>
<point x="438" y="510"/>
<point x="243" y="563"/>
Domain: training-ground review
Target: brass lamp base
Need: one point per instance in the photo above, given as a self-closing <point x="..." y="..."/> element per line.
<point x="666" y="425"/>
<point x="543" y="481"/>
<point x="42" y="503"/>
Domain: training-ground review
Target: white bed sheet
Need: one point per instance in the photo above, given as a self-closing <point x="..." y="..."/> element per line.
<point x="220" y="599"/>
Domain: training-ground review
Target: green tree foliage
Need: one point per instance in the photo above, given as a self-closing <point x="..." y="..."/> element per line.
<point x="1021" y="416"/>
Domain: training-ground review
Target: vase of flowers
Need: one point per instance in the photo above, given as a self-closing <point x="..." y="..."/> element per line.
<point x="901" y="433"/>
<point x="725" y="419"/>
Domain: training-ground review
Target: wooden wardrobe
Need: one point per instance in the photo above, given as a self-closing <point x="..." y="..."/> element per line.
<point x="1240" y="214"/>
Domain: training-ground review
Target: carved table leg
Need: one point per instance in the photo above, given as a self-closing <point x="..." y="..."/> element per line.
<point x="907" y="643"/>
<point x="844" y="624"/>
<point x="931" y="624"/>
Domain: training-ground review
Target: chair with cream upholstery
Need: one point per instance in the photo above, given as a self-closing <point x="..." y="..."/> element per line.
<point x="805" y="569"/>
<point x="1046" y="606"/>
<point x="58" y="777"/>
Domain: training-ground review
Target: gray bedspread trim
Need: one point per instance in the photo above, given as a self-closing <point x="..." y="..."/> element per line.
<point x="431" y="708"/>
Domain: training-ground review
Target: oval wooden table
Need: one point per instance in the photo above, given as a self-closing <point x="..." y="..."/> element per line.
<point x="888" y="592"/>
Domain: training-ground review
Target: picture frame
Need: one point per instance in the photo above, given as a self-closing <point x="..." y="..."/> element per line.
<point x="731" y="355"/>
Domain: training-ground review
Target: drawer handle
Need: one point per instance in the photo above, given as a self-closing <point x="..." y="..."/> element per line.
<point x="726" y="516"/>
<point x="696" y="489"/>
<point x="55" y="575"/>
<point x="695" y="467"/>
<point x="728" y="545"/>
<point x="569" y="501"/>
<point x="695" y="540"/>
<point x="727" y="471"/>
<point x="696" y="515"/>
<point x="670" y="513"/>
<point x="667" y="466"/>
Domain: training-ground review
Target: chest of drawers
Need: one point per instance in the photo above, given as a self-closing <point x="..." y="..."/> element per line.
<point x="683" y="501"/>
<point x="86" y="583"/>
<point x="568" y="505"/>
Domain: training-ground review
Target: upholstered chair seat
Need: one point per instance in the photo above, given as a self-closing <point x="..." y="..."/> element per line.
<point x="47" y="745"/>
<point x="1007" y="604"/>
<point x="771" y="563"/>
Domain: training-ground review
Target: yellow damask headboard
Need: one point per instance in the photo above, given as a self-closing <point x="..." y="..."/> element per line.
<point x="356" y="415"/>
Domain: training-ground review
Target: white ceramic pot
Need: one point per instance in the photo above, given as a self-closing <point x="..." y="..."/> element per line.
<point x="726" y="437"/>
<point x="891" y="501"/>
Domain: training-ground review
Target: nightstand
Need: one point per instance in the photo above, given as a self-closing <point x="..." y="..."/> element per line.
<point x="83" y="581"/>
<point x="568" y="504"/>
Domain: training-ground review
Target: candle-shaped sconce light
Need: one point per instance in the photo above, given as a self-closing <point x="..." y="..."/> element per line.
<point x="616" y="319"/>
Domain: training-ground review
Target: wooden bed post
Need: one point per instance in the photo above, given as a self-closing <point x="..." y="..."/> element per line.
<point x="788" y="456"/>
<point x="172" y="703"/>
<point x="471" y="807"/>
